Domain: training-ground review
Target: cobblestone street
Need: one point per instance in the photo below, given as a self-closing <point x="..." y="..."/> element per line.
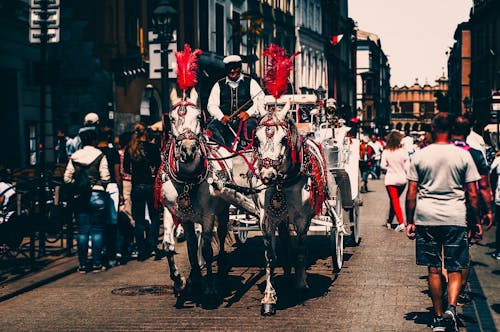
<point x="379" y="289"/>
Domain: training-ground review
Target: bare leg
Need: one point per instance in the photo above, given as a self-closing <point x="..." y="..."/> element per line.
<point x="435" y="287"/>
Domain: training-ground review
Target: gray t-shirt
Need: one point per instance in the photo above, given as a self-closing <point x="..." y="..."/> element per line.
<point x="442" y="170"/>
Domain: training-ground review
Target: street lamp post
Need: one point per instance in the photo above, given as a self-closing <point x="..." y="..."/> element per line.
<point x="164" y="16"/>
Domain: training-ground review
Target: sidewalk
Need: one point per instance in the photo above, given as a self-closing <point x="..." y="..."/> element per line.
<point x="379" y="289"/>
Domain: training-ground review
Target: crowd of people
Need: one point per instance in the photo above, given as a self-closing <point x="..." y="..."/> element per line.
<point x="116" y="220"/>
<point x="448" y="201"/>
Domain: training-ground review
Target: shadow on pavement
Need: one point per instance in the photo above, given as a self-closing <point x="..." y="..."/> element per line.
<point x="420" y="318"/>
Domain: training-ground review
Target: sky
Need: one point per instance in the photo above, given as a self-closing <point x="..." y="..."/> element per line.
<point x="415" y="34"/>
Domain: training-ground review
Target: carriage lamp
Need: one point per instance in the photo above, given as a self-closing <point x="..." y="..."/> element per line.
<point x="320" y="92"/>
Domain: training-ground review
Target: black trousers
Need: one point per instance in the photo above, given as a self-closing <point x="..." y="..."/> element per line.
<point x="224" y="136"/>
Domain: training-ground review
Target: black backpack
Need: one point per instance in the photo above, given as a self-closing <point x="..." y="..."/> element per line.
<point x="82" y="187"/>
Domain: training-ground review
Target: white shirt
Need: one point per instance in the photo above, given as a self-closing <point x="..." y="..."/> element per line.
<point x="377" y="148"/>
<point x="256" y="93"/>
<point x="396" y="163"/>
<point x="495" y="167"/>
<point x="476" y="141"/>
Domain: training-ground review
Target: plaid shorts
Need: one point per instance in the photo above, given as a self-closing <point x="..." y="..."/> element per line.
<point x="432" y="241"/>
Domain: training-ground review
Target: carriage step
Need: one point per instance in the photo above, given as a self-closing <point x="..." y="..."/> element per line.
<point x="317" y="228"/>
<point x="323" y="221"/>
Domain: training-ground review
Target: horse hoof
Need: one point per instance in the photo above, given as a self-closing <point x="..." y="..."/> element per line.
<point x="267" y="309"/>
<point x="179" y="285"/>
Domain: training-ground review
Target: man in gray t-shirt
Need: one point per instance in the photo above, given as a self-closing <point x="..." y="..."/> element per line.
<point x="441" y="171"/>
<point x="439" y="178"/>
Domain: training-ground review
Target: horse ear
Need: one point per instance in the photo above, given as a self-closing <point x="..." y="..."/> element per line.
<point x="173" y="94"/>
<point x="281" y="114"/>
<point x="193" y="96"/>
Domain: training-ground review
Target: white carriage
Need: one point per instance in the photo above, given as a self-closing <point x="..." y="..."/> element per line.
<point x="341" y="216"/>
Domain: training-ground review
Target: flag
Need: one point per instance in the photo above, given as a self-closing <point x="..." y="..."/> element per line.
<point x="336" y="39"/>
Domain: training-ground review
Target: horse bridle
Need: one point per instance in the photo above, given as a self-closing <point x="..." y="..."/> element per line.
<point x="289" y="146"/>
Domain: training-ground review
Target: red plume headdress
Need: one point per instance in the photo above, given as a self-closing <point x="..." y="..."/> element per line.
<point x="277" y="69"/>
<point x="187" y="67"/>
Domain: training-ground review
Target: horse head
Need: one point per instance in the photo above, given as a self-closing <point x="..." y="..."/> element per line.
<point x="185" y="116"/>
<point x="276" y="142"/>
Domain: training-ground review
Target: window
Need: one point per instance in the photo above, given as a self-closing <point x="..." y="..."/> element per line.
<point x="204" y="25"/>
<point x="219" y="29"/>
<point x="32" y="144"/>
<point x="236" y="33"/>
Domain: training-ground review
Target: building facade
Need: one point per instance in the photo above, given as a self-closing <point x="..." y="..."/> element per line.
<point x="372" y="83"/>
<point x="341" y="58"/>
<point x="311" y="65"/>
<point x="485" y="62"/>
<point x="459" y="70"/>
<point x="412" y="108"/>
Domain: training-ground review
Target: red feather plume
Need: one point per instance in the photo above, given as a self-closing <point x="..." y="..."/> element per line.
<point x="277" y="69"/>
<point x="187" y="67"/>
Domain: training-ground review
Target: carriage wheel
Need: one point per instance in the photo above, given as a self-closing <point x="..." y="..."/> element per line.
<point x="337" y="237"/>
<point x="337" y="243"/>
<point x="354" y="218"/>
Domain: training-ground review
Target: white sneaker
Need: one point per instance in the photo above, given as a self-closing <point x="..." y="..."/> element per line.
<point x="388" y="225"/>
<point x="400" y="228"/>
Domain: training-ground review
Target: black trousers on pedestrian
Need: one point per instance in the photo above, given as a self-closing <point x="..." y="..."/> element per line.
<point x="224" y="136"/>
<point x="141" y="195"/>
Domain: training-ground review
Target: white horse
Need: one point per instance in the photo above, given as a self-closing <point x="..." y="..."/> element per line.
<point x="189" y="198"/>
<point x="295" y="175"/>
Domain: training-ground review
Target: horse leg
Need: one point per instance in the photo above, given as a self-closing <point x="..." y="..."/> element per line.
<point x="268" y="303"/>
<point x="284" y="253"/>
<point x="169" y="247"/>
<point x="301" y="228"/>
<point x="223" y="219"/>
<point x="210" y="290"/>
<point x="192" y="246"/>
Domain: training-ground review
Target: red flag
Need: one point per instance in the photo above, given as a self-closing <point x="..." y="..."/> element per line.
<point x="336" y="39"/>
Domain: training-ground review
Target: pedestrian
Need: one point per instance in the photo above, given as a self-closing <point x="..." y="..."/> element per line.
<point x="378" y="147"/>
<point x="395" y="162"/>
<point x="114" y="196"/>
<point x="461" y="129"/>
<point x="495" y="172"/>
<point x="142" y="160"/>
<point x="126" y="222"/>
<point x="440" y="175"/>
<point x="89" y="211"/>
<point x="91" y="120"/>
<point x="366" y="154"/>
<point x="60" y="147"/>
<point x="234" y="97"/>
<point x="474" y="139"/>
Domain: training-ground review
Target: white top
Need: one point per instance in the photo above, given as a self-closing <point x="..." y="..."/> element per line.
<point x="476" y="141"/>
<point x="377" y="148"/>
<point x="7" y="191"/>
<point x="442" y="171"/>
<point x="396" y="163"/>
<point x="256" y="93"/>
<point x="495" y="167"/>
<point x="86" y="156"/>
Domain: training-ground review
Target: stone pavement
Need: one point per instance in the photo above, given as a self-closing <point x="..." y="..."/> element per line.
<point x="379" y="289"/>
